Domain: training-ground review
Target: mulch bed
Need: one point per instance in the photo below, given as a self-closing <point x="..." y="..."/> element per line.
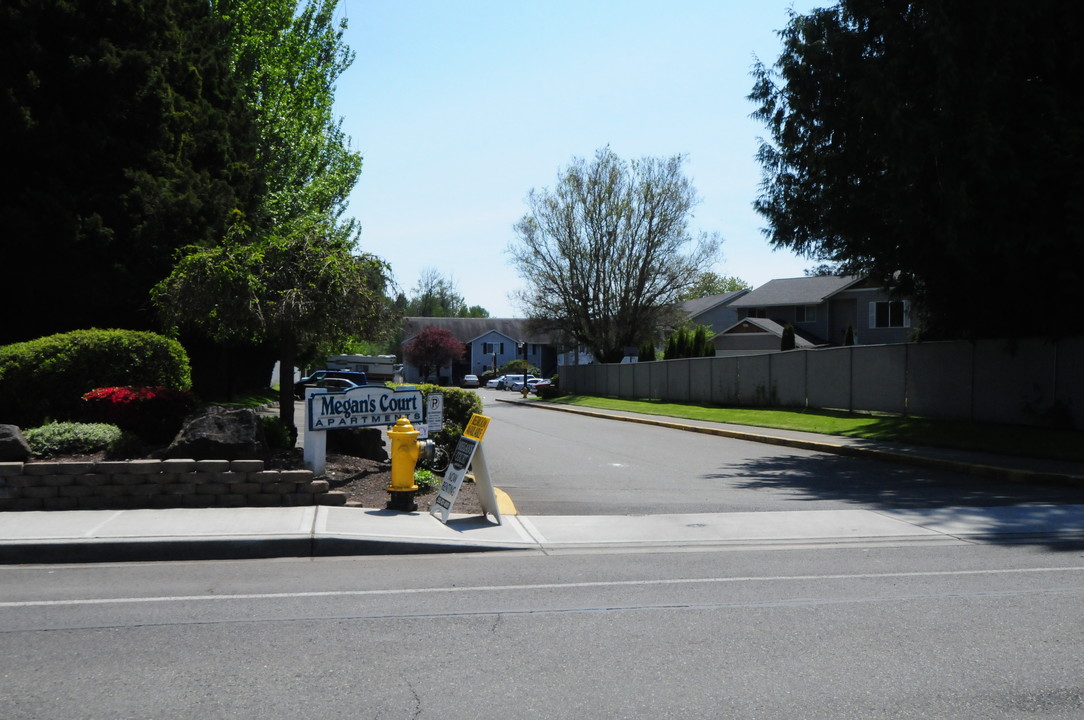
<point x="365" y="482"/>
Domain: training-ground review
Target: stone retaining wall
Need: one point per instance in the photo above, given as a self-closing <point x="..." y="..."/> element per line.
<point x="131" y="484"/>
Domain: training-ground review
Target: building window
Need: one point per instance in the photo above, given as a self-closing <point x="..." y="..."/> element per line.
<point x="757" y="313"/>
<point x="491" y="348"/>
<point x="805" y="314"/>
<point x="890" y="314"/>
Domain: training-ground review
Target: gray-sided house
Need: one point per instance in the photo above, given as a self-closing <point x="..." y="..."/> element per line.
<point x="821" y="309"/>
<point x="489" y="343"/>
<point x="714" y="311"/>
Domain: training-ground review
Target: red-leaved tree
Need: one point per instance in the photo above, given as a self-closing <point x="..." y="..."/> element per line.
<point x="432" y="349"/>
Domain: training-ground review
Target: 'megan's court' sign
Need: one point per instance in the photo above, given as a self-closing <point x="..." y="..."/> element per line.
<point x="364" y="406"/>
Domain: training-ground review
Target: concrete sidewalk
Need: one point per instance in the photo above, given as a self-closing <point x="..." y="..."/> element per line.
<point x="319" y="531"/>
<point x="232" y="533"/>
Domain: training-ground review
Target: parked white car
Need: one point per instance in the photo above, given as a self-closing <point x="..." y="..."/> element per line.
<point x="470" y="381"/>
<point x="517" y="385"/>
<point x="496" y="383"/>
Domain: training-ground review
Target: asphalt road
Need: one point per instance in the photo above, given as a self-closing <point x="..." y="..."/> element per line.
<point x="967" y="631"/>
<point x="562" y="464"/>
<point x="881" y="629"/>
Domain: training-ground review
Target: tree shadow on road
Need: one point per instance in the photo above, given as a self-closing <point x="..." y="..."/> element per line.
<point x="1002" y="511"/>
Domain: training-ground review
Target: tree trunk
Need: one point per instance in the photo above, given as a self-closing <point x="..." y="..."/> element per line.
<point x="287" y="353"/>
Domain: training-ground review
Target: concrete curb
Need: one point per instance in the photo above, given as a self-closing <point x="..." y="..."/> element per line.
<point x="971" y="468"/>
<point x="198" y="549"/>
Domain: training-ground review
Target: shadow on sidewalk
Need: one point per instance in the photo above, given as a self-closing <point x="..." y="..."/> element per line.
<point x="887" y="486"/>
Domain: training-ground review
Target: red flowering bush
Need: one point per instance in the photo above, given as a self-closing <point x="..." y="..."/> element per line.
<point x="154" y="414"/>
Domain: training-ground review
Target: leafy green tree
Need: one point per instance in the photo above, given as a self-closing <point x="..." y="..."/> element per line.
<point x="437" y="295"/>
<point x="288" y="54"/>
<point x="125" y="138"/>
<point x="709" y="283"/>
<point x="936" y="148"/>
<point x="606" y="252"/>
<point x="259" y="291"/>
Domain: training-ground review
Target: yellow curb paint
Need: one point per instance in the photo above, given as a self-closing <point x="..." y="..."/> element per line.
<point x="504" y="503"/>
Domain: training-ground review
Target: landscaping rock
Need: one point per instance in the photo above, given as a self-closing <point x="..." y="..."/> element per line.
<point x="220" y="434"/>
<point x="365" y="443"/>
<point x="13" y="446"/>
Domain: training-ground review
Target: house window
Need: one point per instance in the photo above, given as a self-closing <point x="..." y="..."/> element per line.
<point x="757" y="313"/>
<point x="491" y="348"/>
<point x="890" y="314"/>
<point x="805" y="314"/>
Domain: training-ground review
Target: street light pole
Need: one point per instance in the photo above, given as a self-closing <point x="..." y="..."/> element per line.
<point x="523" y="389"/>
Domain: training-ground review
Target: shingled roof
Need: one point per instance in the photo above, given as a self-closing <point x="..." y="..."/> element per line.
<point x="694" y="307"/>
<point x="796" y="291"/>
<point x="771" y="327"/>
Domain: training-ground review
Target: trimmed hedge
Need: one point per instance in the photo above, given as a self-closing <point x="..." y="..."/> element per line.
<point x="73" y="438"/>
<point x="45" y="379"/>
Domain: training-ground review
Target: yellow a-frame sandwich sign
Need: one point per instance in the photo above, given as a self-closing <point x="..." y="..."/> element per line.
<point x="467" y="453"/>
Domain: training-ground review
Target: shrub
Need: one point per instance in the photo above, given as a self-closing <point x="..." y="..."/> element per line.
<point x="547" y="392"/>
<point x="153" y="413"/>
<point x="47" y="377"/>
<point x="70" y="438"/>
<point x="518" y="367"/>
<point x="427" y="481"/>
<point x="459" y="405"/>
<point x="276" y="433"/>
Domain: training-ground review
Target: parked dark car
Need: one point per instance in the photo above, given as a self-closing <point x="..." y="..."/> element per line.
<point x="358" y="378"/>
<point x="336" y="384"/>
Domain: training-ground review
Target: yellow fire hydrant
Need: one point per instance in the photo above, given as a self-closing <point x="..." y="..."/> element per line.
<point x="404" y="456"/>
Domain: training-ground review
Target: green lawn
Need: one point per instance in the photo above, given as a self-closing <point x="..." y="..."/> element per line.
<point x="1004" y="439"/>
<point x="252" y="400"/>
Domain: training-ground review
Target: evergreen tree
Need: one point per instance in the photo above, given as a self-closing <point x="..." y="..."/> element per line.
<point x="700" y="342"/>
<point x="787" y="341"/>
<point x="125" y="138"/>
<point x="936" y="147"/>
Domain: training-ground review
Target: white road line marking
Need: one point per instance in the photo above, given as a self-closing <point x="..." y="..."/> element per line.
<point x="533" y="587"/>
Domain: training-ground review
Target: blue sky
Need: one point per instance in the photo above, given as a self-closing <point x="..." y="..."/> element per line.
<point x="460" y="108"/>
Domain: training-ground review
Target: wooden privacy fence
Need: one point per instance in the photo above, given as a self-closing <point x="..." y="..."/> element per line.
<point x="1030" y="381"/>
